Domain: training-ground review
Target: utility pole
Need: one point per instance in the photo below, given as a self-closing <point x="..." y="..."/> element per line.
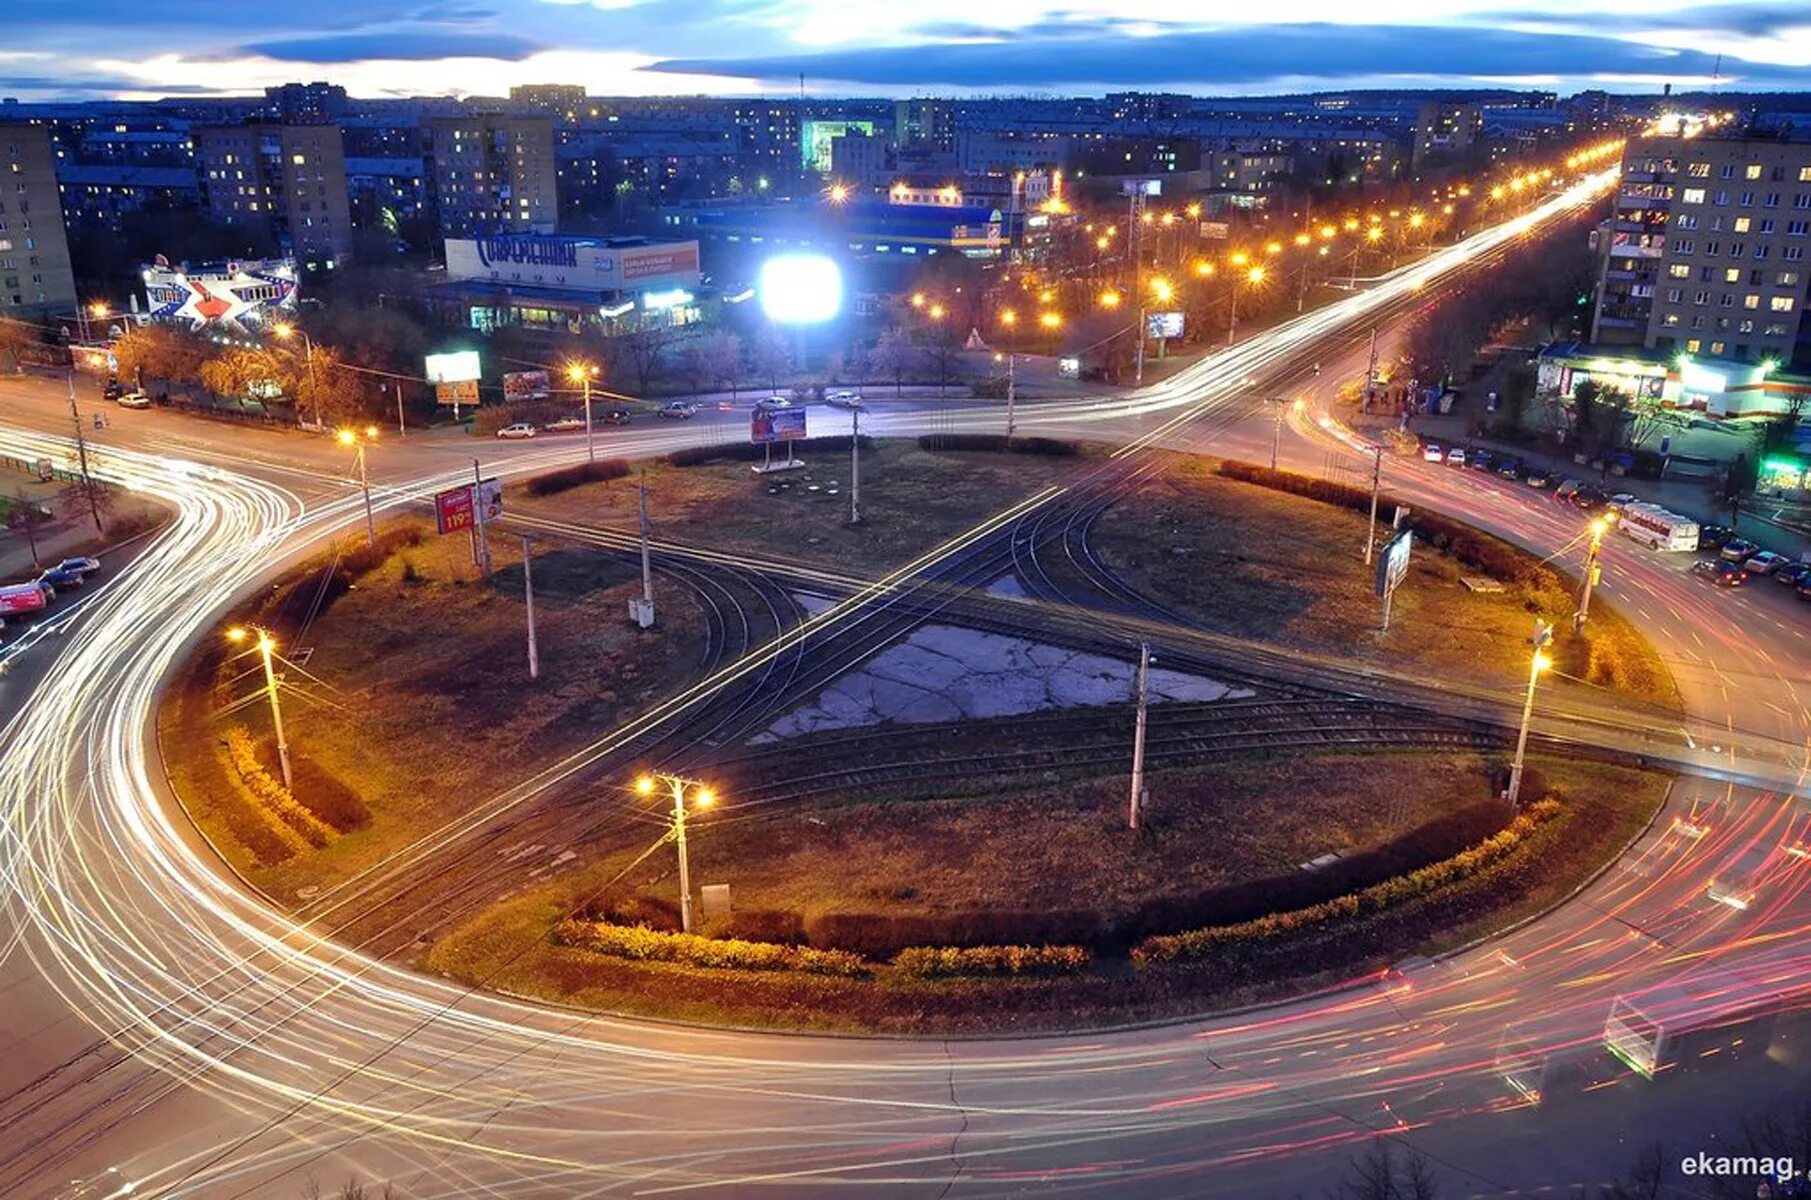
<point x="1370" y="372"/>
<point x="1592" y="572"/>
<point x="266" y="647"/>
<point x="590" y="445"/>
<point x="702" y="797"/>
<point x="855" y="463"/>
<point x="1232" y="321"/>
<point x="353" y="438"/>
<point x="1276" y="430"/>
<point x="402" y="426"/>
<point x="641" y="611"/>
<point x="534" y="657"/>
<point x="1376" y="483"/>
<point x="81" y="455"/>
<point x="1543" y="634"/>
<point x="478" y="522"/>
<point x="1012" y="359"/>
<point x="1144" y="689"/>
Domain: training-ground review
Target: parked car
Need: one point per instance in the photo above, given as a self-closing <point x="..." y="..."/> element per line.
<point x="81" y="566"/>
<point x="1792" y="573"/>
<point x="1763" y="563"/>
<point x="520" y="429"/>
<point x="565" y="424"/>
<point x="1455" y="457"/>
<point x="1723" y="574"/>
<point x="1736" y="549"/>
<point x="843" y="399"/>
<point x="1536" y="477"/>
<point x="679" y="410"/>
<point x="57" y="577"/>
<point x="1804" y="591"/>
<point x="1621" y="500"/>
<point x="1566" y="490"/>
<point x="1432" y="453"/>
<point x="1714" y="537"/>
<point x="134" y="400"/>
<point x="1509" y="467"/>
<point x="113" y="389"/>
<point x="1589" y="499"/>
<point x="770" y="403"/>
<point x="616" y="416"/>
<point x="1481" y="460"/>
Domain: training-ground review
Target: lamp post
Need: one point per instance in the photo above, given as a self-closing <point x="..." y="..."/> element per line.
<point x="702" y="797"/>
<point x="266" y="647"/>
<point x="284" y="331"/>
<point x="359" y="439"/>
<point x="1599" y="527"/>
<point x="1276" y="428"/>
<point x="1253" y="276"/>
<point x="584" y="373"/>
<point x="1543" y="634"/>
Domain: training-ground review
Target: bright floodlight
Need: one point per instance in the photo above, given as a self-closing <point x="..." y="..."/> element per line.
<point x="801" y="289"/>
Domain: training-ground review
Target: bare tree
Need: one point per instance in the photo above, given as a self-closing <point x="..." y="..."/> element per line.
<point x="23" y="518"/>
<point x="15" y="338"/>
<point x="772" y="354"/>
<point x="97" y="496"/>
<point x="893" y="356"/>
<point x="943" y="349"/>
<point x="643" y="350"/>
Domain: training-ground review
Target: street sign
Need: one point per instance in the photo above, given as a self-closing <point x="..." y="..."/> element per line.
<point x="453" y="509"/>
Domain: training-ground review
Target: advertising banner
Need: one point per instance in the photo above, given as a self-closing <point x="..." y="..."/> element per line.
<point x="772" y="425"/>
<point x="525" y="385"/>
<point x="464" y="392"/>
<point x="1393" y="562"/>
<point x="453" y="509"/>
<point x="456" y="367"/>
<point x="22" y="598"/>
<point x="490" y="496"/>
<point x="1215" y="229"/>
<point x="1163" y="325"/>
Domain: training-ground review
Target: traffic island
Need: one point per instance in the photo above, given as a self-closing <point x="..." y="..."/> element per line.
<point x="1033" y="906"/>
<point x="406" y="696"/>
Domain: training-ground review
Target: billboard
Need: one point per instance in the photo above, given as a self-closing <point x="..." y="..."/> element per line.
<point x="772" y="425"/>
<point x="238" y="294"/>
<point x="490" y="499"/>
<point x="453" y="509"/>
<point x="1393" y="561"/>
<point x="525" y="385"/>
<point x="589" y="264"/>
<point x="456" y="366"/>
<point x="465" y="393"/>
<point x="1163" y="324"/>
<point x="1216" y="229"/>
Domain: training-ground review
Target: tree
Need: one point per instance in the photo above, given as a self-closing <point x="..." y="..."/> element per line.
<point x="643" y="351"/>
<point x="772" y="355"/>
<point x="1599" y="414"/>
<point x="1649" y="416"/>
<point x="1383" y="1174"/>
<point x="97" y="496"/>
<point x="161" y="352"/>
<point x="893" y="355"/>
<point x="943" y="350"/>
<point x="722" y="354"/>
<point x="23" y="518"/>
<point x="16" y="337"/>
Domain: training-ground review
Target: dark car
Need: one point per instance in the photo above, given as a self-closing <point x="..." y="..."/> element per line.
<point x="1792" y="574"/>
<point x="80" y="566"/>
<point x="1510" y="467"/>
<point x="113" y="390"/>
<point x="1804" y="592"/>
<point x="616" y="416"/>
<point x="1481" y="460"/>
<point x="1722" y="574"/>
<point x="1589" y="499"/>
<point x="1714" y="537"/>
<point x="1536" y="477"/>
<point x="57" y="577"/>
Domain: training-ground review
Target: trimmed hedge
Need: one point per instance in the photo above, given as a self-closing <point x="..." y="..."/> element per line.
<point x="271" y="795"/>
<point x="1199" y="943"/>
<point x="942" y="962"/>
<point x="567" y="478"/>
<point x="647" y="945"/>
<point x="698" y="456"/>
<point x="999" y="443"/>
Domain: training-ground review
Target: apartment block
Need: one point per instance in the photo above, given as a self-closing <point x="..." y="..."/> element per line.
<point x="493" y="173"/>
<point x="288" y="179"/>
<point x="35" y="277"/>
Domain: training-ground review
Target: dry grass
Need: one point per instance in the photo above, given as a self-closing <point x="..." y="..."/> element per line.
<point x="425" y="707"/>
<point x="912" y="501"/>
<point x="1256" y="563"/>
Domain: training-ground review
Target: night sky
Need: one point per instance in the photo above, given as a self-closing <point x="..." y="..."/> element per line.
<point x="134" y="48"/>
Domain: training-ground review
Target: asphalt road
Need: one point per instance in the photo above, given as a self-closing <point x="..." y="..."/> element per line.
<point x="162" y="1022"/>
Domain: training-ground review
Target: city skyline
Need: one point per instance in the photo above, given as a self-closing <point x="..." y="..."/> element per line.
<point x="629" y="47"/>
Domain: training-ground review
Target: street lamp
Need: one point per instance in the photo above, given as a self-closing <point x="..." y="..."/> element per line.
<point x="1253" y="276"/>
<point x="1543" y="634"/>
<point x="284" y="331"/>
<point x="701" y="797"/>
<point x="584" y="373"/>
<point x="1593" y="570"/>
<point x="266" y="647"/>
<point x="359" y="438"/>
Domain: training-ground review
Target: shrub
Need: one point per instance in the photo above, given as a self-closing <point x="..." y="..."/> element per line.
<point x="642" y="944"/>
<point x="935" y="962"/>
<point x="361" y="558"/>
<point x="878" y="935"/>
<point x="698" y="456"/>
<point x="271" y="795"/>
<point x="326" y="797"/>
<point x="567" y="478"/>
<point x="998" y="443"/>
<point x="1417" y="884"/>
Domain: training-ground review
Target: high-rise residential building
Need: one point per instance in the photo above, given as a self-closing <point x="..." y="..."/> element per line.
<point x="1705" y="250"/>
<point x="767" y="137"/>
<point x="306" y="101"/>
<point x="1445" y="130"/>
<point x="35" y="277"/>
<point x="289" y="180"/>
<point x="924" y="125"/>
<point x="493" y="173"/>
<point x="561" y="101"/>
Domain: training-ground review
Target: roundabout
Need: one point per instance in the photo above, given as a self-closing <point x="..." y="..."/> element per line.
<point x="232" y="1021"/>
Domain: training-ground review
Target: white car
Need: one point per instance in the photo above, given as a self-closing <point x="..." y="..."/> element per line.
<point x="521" y="429"/>
<point x="772" y="402"/>
<point x="1455" y="457"/>
<point x="134" y="400"/>
<point x="843" y="400"/>
<point x="1431" y="453"/>
<point x="565" y="425"/>
<point x="1762" y="563"/>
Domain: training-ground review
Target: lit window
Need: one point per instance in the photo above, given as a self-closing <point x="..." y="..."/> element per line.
<point x="1782" y="304"/>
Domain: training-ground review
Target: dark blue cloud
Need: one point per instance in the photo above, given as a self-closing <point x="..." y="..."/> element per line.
<point x="416" y="45"/>
<point x="1760" y="19"/>
<point x="1232" y="57"/>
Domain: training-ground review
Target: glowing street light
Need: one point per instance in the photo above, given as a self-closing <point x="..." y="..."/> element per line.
<point x="1543" y="635"/>
<point x="702" y="797"/>
<point x="284" y="331"/>
<point x="266" y="646"/>
<point x="360" y="438"/>
<point x="1109" y="299"/>
<point x="1162" y="290"/>
<point x="1593" y="569"/>
<point x="582" y="374"/>
<point x="1050" y="320"/>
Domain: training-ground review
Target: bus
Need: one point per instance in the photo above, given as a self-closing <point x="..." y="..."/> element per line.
<point x="1715" y="1014"/>
<point x="1660" y="529"/>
